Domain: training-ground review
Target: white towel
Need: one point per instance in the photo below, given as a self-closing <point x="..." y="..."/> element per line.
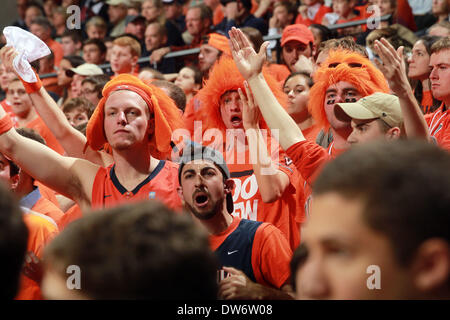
<point x="29" y="47"/>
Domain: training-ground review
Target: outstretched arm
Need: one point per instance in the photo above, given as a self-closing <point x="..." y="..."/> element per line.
<point x="394" y="69"/>
<point x="71" y="139"/>
<point x="250" y="66"/>
<point x="271" y="181"/>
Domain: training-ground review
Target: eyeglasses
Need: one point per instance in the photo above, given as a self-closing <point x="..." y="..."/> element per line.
<point x="350" y="64"/>
<point x="87" y="91"/>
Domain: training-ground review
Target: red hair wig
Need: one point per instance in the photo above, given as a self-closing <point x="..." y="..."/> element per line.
<point x="367" y="79"/>
<point x="225" y="76"/>
<point x="166" y="114"/>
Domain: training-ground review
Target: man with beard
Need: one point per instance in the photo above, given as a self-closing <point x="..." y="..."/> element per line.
<point x="254" y="255"/>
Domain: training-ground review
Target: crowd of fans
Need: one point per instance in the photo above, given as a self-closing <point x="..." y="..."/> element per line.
<point x="283" y="169"/>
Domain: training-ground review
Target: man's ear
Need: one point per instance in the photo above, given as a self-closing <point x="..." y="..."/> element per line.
<point x="14" y="181"/>
<point x="431" y="265"/>
<point x="134" y="60"/>
<point x="229" y="185"/>
<point x="393" y="133"/>
<point x="180" y="192"/>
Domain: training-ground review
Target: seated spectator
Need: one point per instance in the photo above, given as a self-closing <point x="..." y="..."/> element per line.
<point x="94" y="51"/>
<point x="173" y="10"/>
<point x="92" y="86"/>
<point x="78" y="111"/>
<point x="124" y="56"/>
<point x="198" y="24"/>
<point x="153" y="11"/>
<point x="135" y="25"/>
<point x="71" y="42"/>
<point x="419" y="71"/>
<point x="59" y="22"/>
<point x="96" y="28"/>
<point x="13" y="238"/>
<point x="346" y="204"/>
<point x="284" y="13"/>
<point x="189" y="79"/>
<point x="108" y="41"/>
<point x="296" y="40"/>
<point x="117" y="11"/>
<point x="42" y="28"/>
<point x="64" y="78"/>
<point x="396" y="34"/>
<point x="156" y="39"/>
<point x="80" y="73"/>
<point x="237" y="14"/>
<point x="161" y="246"/>
<point x="311" y="12"/>
<point x="33" y="11"/>
<point x="440" y="29"/>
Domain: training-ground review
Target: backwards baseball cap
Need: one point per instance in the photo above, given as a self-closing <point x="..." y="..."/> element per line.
<point x="218" y="41"/>
<point x="198" y="152"/>
<point x="297" y="32"/>
<point x="86" y="69"/>
<point x="378" y="105"/>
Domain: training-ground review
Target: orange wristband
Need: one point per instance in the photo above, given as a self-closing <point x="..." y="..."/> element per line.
<point x="5" y="124"/>
<point x="32" y="87"/>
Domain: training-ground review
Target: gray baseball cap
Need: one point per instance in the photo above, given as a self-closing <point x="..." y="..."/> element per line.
<point x="197" y="152"/>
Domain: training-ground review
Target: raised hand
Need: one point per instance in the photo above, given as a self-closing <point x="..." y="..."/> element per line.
<point x="247" y="60"/>
<point x="393" y="66"/>
<point x="7" y="55"/>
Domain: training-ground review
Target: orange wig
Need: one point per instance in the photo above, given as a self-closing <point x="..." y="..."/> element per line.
<point x="225" y="76"/>
<point x="166" y="114"/>
<point x="367" y="79"/>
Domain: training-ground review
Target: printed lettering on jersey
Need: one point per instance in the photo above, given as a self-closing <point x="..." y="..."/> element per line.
<point x="245" y="197"/>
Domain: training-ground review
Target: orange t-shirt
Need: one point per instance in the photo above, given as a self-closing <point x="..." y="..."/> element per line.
<point x="427" y="101"/>
<point x="47" y="193"/>
<point x="41" y="230"/>
<point x="39" y="125"/>
<point x="439" y="126"/>
<point x="270" y="253"/>
<point x="247" y="199"/>
<point x="161" y="184"/>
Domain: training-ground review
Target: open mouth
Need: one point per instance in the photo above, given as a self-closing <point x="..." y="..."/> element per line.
<point x="201" y="199"/>
<point x="236" y="121"/>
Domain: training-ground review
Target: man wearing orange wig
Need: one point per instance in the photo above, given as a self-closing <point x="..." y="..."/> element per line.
<point x="134" y="119"/>
<point x="264" y="176"/>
